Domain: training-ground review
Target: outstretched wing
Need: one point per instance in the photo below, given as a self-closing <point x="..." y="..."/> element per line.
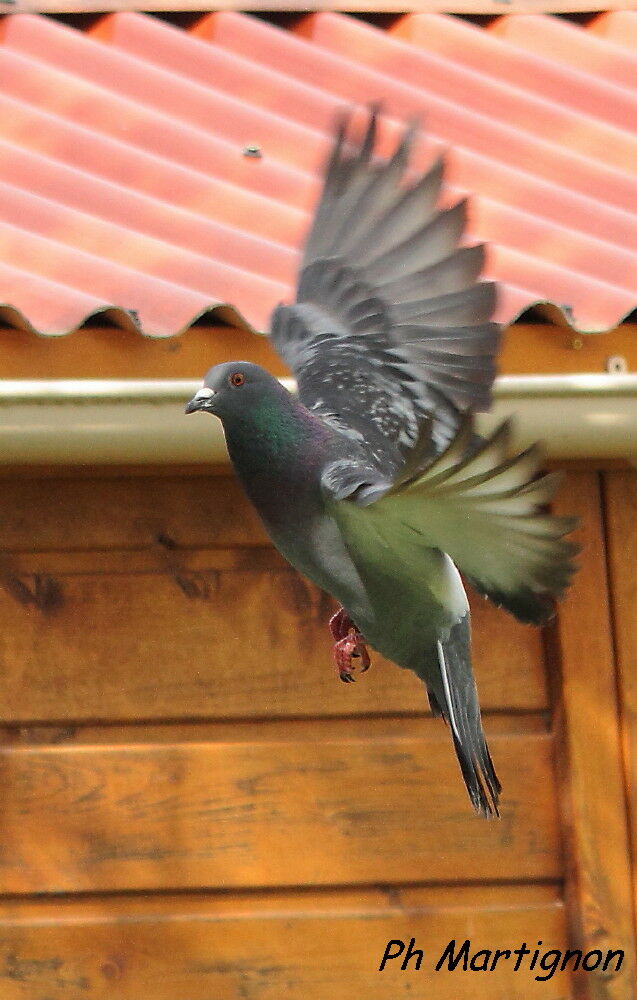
<point x="487" y="511"/>
<point x="391" y="329"/>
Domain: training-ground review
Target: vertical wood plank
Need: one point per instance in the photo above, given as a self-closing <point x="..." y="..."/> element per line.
<point x="620" y="495"/>
<point x="590" y="760"/>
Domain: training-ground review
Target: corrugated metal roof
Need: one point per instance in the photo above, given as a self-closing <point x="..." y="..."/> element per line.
<point x="124" y="179"/>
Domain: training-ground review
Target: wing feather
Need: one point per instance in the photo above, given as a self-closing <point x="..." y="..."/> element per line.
<point x="428" y="244"/>
<point x="391" y="336"/>
<point x="468" y="306"/>
<point x="411" y="211"/>
<point x="487" y="511"/>
<point x="461" y="269"/>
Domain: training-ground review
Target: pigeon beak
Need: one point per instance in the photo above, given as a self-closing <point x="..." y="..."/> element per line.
<point x="200" y="400"/>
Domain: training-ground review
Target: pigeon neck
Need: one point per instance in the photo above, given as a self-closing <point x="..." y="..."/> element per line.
<point x="276" y="447"/>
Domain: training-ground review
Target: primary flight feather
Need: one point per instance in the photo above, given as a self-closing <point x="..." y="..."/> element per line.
<point x="371" y="481"/>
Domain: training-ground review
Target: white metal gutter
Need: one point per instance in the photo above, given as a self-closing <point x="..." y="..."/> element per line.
<point x="130" y="422"/>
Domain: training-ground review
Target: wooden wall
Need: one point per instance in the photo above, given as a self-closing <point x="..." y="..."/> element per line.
<point x="193" y="807"/>
<point x="106" y="352"/>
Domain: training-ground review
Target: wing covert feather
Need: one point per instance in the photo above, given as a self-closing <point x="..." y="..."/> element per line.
<point x="487" y="511"/>
<point x="390" y="336"/>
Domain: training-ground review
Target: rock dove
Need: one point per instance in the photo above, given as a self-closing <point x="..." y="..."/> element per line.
<point x="372" y="481"/>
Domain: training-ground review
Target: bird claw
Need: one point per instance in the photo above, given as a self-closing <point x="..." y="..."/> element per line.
<point x="348" y="645"/>
<point x="340" y="625"/>
<point x="344" y="650"/>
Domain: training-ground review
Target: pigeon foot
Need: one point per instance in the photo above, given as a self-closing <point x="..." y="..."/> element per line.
<point x="349" y="644"/>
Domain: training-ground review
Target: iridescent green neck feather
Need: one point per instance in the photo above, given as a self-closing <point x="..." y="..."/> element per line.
<point x="278" y="450"/>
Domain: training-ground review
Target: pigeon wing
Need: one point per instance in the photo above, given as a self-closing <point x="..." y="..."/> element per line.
<point x="486" y="508"/>
<point x="390" y="337"/>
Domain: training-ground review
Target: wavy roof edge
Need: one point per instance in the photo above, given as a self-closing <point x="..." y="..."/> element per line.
<point x="555" y="210"/>
<point x="127" y="320"/>
<point x="229" y="315"/>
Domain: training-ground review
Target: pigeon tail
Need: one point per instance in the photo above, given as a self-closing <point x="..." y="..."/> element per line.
<point x="457" y="701"/>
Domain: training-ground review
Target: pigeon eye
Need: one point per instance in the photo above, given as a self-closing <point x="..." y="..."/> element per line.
<point x="237" y="379"/>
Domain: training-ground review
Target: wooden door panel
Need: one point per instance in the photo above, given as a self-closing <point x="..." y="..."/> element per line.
<point x="208" y="640"/>
<point x="372" y="809"/>
<point x="255" y="947"/>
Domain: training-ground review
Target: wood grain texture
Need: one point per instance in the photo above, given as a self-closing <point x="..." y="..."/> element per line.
<point x="172" y="723"/>
<point x="595" y="825"/>
<point x="544" y="349"/>
<point x="107" y="352"/>
<point x="313" y="731"/>
<point x="215" y="644"/>
<point x="192" y="614"/>
<point x="267" y="813"/>
<point x="301" y="947"/>
<point x="168" y="513"/>
<point x="620" y="492"/>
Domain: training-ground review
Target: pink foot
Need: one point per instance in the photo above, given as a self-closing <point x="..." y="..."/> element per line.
<point x="348" y="644"/>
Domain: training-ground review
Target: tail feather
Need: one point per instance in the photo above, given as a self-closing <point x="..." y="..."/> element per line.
<point x="459" y="706"/>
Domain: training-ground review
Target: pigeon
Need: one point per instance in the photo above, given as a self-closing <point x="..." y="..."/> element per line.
<point x="371" y="480"/>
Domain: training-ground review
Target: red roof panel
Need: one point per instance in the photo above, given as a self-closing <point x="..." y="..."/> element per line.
<point x="471" y="110"/>
<point x="132" y="169"/>
<point x="619" y="26"/>
<point x="564" y="88"/>
<point x="126" y="178"/>
<point x="468" y="169"/>
<point x="569" y="45"/>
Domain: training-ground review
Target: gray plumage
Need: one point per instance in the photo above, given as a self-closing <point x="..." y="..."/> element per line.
<point x="372" y="481"/>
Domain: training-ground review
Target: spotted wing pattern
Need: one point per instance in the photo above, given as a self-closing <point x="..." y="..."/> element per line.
<point x="391" y="330"/>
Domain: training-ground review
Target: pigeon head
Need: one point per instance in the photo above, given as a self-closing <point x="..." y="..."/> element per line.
<point x="233" y="388"/>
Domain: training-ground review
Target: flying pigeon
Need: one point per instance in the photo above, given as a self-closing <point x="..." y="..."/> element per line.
<point x="371" y="481"/>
